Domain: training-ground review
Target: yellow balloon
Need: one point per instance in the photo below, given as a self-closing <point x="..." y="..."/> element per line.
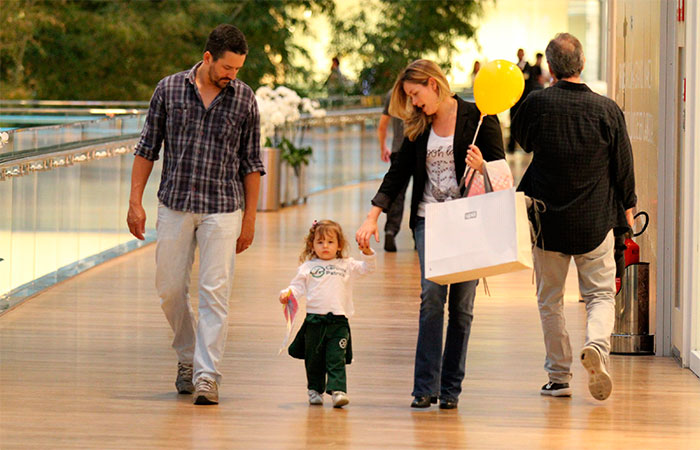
<point x="497" y="86"/>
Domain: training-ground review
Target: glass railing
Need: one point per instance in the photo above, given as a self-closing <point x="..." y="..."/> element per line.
<point x="345" y="151"/>
<point x="54" y="138"/>
<point x="31" y="113"/>
<point x="64" y="191"/>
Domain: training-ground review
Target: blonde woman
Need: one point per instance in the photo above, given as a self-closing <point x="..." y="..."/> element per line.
<point x="438" y="128"/>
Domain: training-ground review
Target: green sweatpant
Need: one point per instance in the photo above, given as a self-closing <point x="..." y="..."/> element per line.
<point x="326" y="341"/>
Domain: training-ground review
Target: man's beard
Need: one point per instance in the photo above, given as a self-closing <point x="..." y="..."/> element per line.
<point x="219" y="82"/>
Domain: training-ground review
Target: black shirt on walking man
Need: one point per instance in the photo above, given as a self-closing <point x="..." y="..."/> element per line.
<point x="582" y="171"/>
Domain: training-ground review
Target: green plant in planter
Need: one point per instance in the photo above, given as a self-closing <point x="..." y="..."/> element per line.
<point x="293" y="155"/>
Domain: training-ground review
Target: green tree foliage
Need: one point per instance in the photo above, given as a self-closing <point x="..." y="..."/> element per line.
<point x="18" y="24"/>
<point x="119" y="49"/>
<point x="407" y="30"/>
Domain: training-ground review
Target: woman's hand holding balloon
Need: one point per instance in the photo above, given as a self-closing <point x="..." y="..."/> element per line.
<point x="474" y="159"/>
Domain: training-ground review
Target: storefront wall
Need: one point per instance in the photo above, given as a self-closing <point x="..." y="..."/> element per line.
<point x="654" y="75"/>
<point x="633" y="82"/>
<point x="690" y="258"/>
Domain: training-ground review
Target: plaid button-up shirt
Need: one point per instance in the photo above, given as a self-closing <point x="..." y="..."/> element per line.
<point x="581" y="167"/>
<point x="207" y="151"/>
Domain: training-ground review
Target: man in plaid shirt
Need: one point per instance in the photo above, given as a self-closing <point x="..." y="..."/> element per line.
<point x="209" y="124"/>
<point x="582" y="171"/>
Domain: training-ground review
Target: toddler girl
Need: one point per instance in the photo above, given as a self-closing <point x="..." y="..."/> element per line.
<point x="325" y="278"/>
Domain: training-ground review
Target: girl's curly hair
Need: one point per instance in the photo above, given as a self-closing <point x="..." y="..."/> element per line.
<point x="323" y="228"/>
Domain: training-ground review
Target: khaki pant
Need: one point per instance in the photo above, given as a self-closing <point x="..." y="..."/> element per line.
<point x="197" y="342"/>
<point x="596" y="278"/>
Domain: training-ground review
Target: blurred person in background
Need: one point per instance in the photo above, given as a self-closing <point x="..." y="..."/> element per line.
<point x="394" y="214"/>
<point x="336" y="83"/>
<point x="525" y="68"/>
<point x="475" y="70"/>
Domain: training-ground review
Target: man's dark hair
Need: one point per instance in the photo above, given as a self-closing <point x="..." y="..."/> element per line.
<point x="226" y="38"/>
<point x="565" y="56"/>
<point x="539" y="55"/>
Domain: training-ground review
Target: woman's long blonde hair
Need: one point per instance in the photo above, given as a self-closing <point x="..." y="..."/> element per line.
<point x="324" y="228"/>
<point x="420" y="71"/>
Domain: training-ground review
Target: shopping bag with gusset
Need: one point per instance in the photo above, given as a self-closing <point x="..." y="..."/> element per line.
<point x="476" y="237"/>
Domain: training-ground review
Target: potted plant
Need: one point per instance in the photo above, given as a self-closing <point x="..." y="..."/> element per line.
<point x="293" y="161"/>
<point x="296" y="158"/>
<point x="280" y="111"/>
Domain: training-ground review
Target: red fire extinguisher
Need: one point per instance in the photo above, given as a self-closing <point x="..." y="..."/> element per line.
<point x="632" y="250"/>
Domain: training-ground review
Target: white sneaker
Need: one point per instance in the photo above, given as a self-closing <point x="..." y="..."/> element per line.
<point x="340" y="399"/>
<point x="206" y="392"/>
<point x="315" y="398"/>
<point x="599" y="381"/>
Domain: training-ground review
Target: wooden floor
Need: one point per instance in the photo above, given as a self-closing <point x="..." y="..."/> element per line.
<point x="88" y="364"/>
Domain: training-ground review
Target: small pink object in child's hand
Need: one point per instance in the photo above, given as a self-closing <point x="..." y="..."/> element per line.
<point x="291" y="307"/>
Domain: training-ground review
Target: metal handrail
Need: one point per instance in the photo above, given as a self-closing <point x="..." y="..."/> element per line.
<point x="71" y="127"/>
<point x="74" y="103"/>
<point x="21" y="163"/>
<point x="28" y="164"/>
<point x="99" y="111"/>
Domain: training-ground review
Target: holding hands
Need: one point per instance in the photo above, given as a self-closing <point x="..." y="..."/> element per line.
<point x="368" y="229"/>
<point x="474" y="159"/>
<point x="366" y="250"/>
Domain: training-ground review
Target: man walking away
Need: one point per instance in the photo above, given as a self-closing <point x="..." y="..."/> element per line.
<point x="582" y="170"/>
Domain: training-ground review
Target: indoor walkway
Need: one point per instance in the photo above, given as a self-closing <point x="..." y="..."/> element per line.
<point x="88" y="364"/>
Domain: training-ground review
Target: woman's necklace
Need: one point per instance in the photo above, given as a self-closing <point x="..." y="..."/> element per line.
<point x="444" y="125"/>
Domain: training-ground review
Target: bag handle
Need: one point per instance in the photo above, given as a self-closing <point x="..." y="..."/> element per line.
<point x="488" y="187"/>
<point x="487" y="180"/>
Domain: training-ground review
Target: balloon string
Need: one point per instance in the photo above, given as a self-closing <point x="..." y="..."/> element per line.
<point x="481" y="119"/>
<point x="476" y="133"/>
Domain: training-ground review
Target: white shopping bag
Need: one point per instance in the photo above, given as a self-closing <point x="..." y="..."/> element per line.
<point x="477" y="237"/>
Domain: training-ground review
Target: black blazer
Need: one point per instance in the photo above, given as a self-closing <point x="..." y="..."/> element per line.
<point x="411" y="156"/>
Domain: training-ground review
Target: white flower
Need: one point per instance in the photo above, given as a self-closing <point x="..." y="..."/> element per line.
<point x="277" y="118"/>
<point x="284" y="91"/>
<point x="264" y="92"/>
<point x="4" y="138"/>
<point x="306" y="105"/>
<point x="282" y="106"/>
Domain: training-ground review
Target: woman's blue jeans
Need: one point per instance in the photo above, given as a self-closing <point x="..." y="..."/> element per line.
<point x="439" y="372"/>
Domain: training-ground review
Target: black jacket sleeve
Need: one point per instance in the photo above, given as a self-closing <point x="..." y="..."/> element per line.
<point x="398" y="175"/>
